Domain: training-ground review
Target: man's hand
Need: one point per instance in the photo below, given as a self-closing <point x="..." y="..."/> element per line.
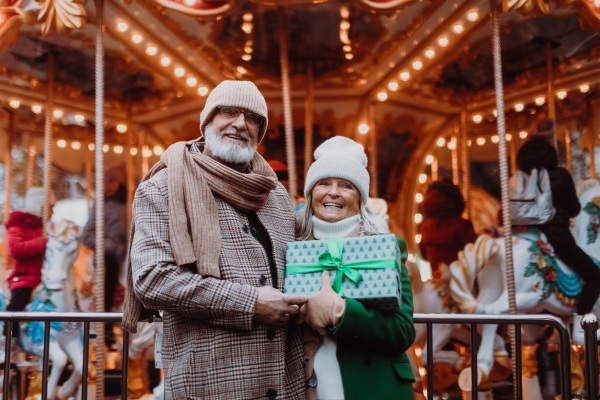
<point x="274" y="307"/>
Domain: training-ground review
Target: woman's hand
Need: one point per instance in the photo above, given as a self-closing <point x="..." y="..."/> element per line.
<point x="324" y="309"/>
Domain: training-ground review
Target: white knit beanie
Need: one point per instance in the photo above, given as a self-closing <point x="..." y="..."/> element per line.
<point x="242" y="94"/>
<point x="340" y="157"/>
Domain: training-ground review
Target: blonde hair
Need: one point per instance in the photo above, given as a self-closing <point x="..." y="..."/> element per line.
<point x="304" y="227"/>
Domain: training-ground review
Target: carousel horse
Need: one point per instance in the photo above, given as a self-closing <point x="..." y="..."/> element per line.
<point x="433" y="297"/>
<point x="542" y="283"/>
<point x="57" y="293"/>
<point x="586" y="224"/>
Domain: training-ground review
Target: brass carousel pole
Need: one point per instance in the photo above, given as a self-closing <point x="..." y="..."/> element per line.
<point x="48" y="144"/>
<point x="287" y="107"/>
<point x="130" y="165"/>
<point x="308" y="119"/>
<point x="373" y="150"/>
<point x="591" y="139"/>
<point x="464" y="156"/>
<point x="9" y="146"/>
<point x="454" y="152"/>
<point x="30" y="163"/>
<point x="511" y="148"/>
<point x="89" y="159"/>
<point x="506" y="223"/>
<point x="551" y="102"/>
<point x="99" y="196"/>
<point x="142" y="147"/>
<point x="434" y="167"/>
<point x="568" y="149"/>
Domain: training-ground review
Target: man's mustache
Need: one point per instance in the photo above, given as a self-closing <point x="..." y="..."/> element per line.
<point x="235" y="131"/>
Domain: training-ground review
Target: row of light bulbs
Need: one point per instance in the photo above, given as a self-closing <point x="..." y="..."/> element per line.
<point x="58" y="114"/>
<point x="247" y="27"/>
<point x="117" y="149"/>
<point x="428" y="55"/>
<point x="165" y="59"/>
<point x="480" y="140"/>
<point x="539" y="101"/>
<point x="344" y="30"/>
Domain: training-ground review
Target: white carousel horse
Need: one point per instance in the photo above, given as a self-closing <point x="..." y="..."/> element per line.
<point x="542" y="283"/>
<point x="57" y="293"/>
<point x="586" y="224"/>
<point x="432" y="297"/>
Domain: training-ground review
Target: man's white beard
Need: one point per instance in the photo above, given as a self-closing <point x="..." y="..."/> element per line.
<point x="233" y="153"/>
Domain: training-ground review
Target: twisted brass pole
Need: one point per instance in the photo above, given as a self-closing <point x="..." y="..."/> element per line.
<point x="506" y="223"/>
<point x="48" y="142"/>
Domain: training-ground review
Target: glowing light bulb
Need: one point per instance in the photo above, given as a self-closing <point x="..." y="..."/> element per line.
<point x="363" y="128"/>
<point x="179" y="72"/>
<point x="61" y="143"/>
<point x="133" y="151"/>
<point x="36" y="108"/>
<point x="443" y="41"/>
<point x="382" y="96"/>
<point x="561" y="94"/>
<point x="458" y="28"/>
<point x="91" y="147"/>
<point x="417" y="65"/>
<point x="480" y="141"/>
<point x="122" y="26"/>
<point x="151" y="50"/>
<point x="519" y="107"/>
<point x="495" y="139"/>
<point x="472" y="16"/>
<point x="58" y="114"/>
<point x="418" y="218"/>
<point x="405" y="76"/>
<point x="430" y="53"/>
<point x="158" y="150"/>
<point x="14" y="103"/>
<point x="393" y="86"/>
<point x="540" y="100"/>
<point x="79" y="118"/>
<point x="523" y="134"/>
<point x="477" y="118"/>
<point x="418" y="197"/>
<point x="584" y="88"/>
<point x="165" y="61"/>
<point x="441" y="142"/>
<point x="418" y="240"/>
<point x="191" y="81"/>
<point x="429" y="159"/>
<point x="422" y="178"/>
<point x="202" y="91"/>
<point x="105" y="148"/>
<point x="136" y="38"/>
<point x="121" y="128"/>
<point x="75" y="145"/>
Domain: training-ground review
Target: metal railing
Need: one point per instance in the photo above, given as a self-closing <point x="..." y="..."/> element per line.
<point x="590" y="325"/>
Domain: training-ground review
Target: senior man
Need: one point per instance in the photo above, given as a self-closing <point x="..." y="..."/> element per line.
<point x="209" y="232"/>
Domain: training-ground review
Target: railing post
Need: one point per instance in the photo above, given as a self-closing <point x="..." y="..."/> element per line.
<point x="589" y="324"/>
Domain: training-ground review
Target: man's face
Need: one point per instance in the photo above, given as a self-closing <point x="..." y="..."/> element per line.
<point x="233" y="140"/>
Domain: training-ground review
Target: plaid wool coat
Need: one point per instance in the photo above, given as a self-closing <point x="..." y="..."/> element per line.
<point x="212" y="348"/>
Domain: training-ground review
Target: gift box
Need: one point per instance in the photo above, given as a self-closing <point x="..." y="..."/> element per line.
<point x="365" y="268"/>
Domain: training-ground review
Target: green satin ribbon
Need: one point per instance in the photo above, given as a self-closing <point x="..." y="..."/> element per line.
<point x="332" y="260"/>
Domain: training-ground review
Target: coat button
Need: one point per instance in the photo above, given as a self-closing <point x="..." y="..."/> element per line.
<point x="245" y="228"/>
<point x="271" y="334"/>
<point x="369" y="360"/>
<point x="262" y="280"/>
<point x="271" y="393"/>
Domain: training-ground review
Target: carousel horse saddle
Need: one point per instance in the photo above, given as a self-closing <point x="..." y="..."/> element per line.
<point x="555" y="276"/>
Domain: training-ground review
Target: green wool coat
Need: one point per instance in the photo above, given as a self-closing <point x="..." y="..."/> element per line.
<point x="371" y="348"/>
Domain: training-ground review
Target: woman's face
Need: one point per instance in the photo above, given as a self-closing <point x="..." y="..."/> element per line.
<point x="335" y="199"/>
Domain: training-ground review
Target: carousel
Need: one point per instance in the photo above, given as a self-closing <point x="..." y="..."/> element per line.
<point x="88" y="86"/>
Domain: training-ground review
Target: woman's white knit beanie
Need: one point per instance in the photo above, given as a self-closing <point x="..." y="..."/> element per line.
<point x="242" y="94"/>
<point x="340" y="157"/>
<point x="34" y="200"/>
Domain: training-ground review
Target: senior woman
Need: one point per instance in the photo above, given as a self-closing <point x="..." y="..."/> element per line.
<point x="352" y="351"/>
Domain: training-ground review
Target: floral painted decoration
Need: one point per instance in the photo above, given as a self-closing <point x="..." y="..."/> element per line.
<point x="593" y="208"/>
<point x="542" y="261"/>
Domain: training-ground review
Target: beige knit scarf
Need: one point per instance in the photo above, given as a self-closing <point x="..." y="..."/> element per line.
<point x="193" y="181"/>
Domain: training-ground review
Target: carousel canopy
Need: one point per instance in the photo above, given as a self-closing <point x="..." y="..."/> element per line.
<point x="421" y="63"/>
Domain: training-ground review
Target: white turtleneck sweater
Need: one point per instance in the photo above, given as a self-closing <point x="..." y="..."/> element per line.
<point x="326" y="367"/>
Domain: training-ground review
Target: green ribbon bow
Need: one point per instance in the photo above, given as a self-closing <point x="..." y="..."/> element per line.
<point x="332" y="260"/>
